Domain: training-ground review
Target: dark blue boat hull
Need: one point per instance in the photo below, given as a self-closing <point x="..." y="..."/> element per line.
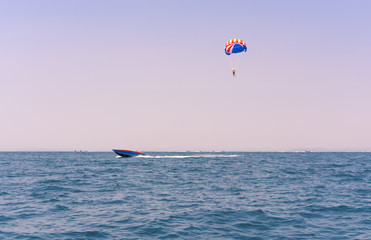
<point x="127" y="153"/>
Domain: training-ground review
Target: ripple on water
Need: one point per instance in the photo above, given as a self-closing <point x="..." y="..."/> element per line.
<point x="185" y="196"/>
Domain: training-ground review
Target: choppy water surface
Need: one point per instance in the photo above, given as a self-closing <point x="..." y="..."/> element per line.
<point x="67" y="195"/>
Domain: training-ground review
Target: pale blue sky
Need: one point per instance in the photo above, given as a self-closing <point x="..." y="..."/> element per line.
<point x="153" y="76"/>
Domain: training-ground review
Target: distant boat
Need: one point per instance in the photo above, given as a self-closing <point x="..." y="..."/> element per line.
<point x="127" y="153"/>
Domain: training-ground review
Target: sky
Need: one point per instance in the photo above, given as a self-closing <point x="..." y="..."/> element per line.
<point x="153" y="75"/>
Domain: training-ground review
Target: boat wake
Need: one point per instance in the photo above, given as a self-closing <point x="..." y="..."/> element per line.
<point x="191" y="156"/>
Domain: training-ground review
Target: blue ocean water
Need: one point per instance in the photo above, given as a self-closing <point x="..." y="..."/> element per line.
<point x="173" y="195"/>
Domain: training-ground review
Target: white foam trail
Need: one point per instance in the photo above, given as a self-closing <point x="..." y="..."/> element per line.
<point x="190" y="156"/>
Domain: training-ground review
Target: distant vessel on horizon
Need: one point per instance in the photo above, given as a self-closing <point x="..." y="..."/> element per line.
<point x="127" y="153"/>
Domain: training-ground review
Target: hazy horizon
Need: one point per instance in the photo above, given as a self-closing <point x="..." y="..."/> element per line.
<point x="147" y="76"/>
<point x="194" y="151"/>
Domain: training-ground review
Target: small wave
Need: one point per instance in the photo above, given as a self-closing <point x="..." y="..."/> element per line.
<point x="86" y="234"/>
<point x="335" y="209"/>
<point x="59" y="208"/>
<point x="4" y="219"/>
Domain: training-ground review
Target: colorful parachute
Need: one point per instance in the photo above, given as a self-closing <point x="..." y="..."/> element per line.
<point x="235" y="46"/>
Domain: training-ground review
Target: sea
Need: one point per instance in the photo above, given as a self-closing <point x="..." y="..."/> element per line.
<point x="185" y="195"/>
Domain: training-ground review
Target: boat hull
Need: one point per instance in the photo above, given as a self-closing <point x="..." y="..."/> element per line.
<point x="127" y="153"/>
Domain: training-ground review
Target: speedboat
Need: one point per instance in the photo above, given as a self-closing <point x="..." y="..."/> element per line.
<point x="127" y="153"/>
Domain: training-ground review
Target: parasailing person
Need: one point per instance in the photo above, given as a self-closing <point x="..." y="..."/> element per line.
<point x="235" y="48"/>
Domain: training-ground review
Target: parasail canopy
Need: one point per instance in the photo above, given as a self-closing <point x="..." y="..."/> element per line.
<point x="235" y="46"/>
